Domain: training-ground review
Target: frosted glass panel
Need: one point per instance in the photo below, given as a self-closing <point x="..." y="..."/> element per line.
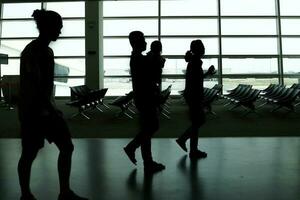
<point x="130" y="8"/>
<point x="189" y="27"/>
<point x="189" y="8"/>
<point x="249" y="27"/>
<point x="19" y="10"/>
<point x="68" y="9"/>
<point x="242" y="46"/>
<point x="124" y="27"/>
<point x="247" y="7"/>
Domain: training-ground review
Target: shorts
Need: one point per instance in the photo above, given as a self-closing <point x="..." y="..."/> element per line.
<point x="52" y="128"/>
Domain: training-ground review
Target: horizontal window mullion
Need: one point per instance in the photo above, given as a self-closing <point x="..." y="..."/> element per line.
<point x="189" y="17"/>
<point x="290" y="36"/>
<point x="291" y="55"/>
<point x="248" y="17"/>
<point x="31" y="38"/>
<point x="129" y="17"/>
<point x="238" y="76"/>
<point x="70" y="77"/>
<point x="58" y="57"/>
<point x="249" y="56"/>
<point x="249" y="36"/>
<point x="30" y="19"/>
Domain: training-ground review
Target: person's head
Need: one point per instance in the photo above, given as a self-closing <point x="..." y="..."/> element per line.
<point x="49" y="23"/>
<point x="156" y="47"/>
<point x="197" y="48"/>
<point x="137" y="41"/>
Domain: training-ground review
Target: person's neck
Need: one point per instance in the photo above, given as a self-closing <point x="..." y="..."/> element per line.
<point x="135" y="51"/>
<point x="44" y="41"/>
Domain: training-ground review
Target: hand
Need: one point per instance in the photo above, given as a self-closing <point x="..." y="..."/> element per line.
<point x="188" y="56"/>
<point x="211" y="70"/>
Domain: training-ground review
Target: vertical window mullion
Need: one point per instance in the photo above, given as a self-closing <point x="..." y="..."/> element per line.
<point x="279" y="42"/>
<point x="220" y="80"/>
<point x="159" y="20"/>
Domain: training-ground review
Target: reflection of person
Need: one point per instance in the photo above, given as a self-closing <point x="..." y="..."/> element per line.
<point x="38" y="116"/>
<point x="193" y="95"/>
<point x="145" y="101"/>
<point x="156" y="61"/>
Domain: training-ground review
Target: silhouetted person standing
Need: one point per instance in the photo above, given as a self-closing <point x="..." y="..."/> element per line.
<point x="145" y="101"/>
<point x="193" y="94"/>
<point x="38" y="115"/>
<point x="156" y="62"/>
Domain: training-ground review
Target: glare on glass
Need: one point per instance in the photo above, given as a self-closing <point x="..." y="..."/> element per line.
<point x="178" y="66"/>
<point x="19" y="10"/>
<point x="291" y="66"/>
<point x="252" y="46"/>
<point x="12" y="68"/>
<point x="68" y="9"/>
<point x="289" y="7"/>
<point x="291" y="45"/>
<point x="116" y="66"/>
<point x="189" y="27"/>
<point x="257" y="83"/>
<point x="189" y="8"/>
<point x="68" y="47"/>
<point x="248" y="27"/>
<point x="124" y="26"/>
<point x="75" y="66"/>
<point x="290" y="26"/>
<point x="117" y="86"/>
<point x="62" y="88"/>
<point x="22" y="28"/>
<point x="121" y="47"/>
<point x="73" y="28"/>
<point x="250" y="66"/>
<point x="179" y="46"/>
<point x="130" y="8"/>
<point x="248" y="7"/>
<point x="13" y="47"/>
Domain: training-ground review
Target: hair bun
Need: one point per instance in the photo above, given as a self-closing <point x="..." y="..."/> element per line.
<point x="38" y="14"/>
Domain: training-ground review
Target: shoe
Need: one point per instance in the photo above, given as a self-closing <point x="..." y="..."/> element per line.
<point x="198" y="154"/>
<point x="182" y="145"/>
<point x="70" y="196"/>
<point x="130" y="154"/>
<point x="153" y="167"/>
<point x="28" y="197"/>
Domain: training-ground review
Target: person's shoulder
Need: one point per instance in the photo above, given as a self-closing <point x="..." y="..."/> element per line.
<point x="30" y="49"/>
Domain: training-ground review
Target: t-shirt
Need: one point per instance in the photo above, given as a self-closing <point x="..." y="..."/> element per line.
<point x="36" y="81"/>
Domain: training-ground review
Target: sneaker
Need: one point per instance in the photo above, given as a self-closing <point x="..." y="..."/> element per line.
<point x="130" y="154"/>
<point x="28" y="197"/>
<point x="198" y="154"/>
<point x="153" y="167"/>
<point x="70" y="196"/>
<point x="182" y="145"/>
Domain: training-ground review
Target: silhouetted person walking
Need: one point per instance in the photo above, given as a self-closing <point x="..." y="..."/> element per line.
<point x="145" y="101"/>
<point x="193" y="94"/>
<point x="38" y="115"/>
<point x="156" y="62"/>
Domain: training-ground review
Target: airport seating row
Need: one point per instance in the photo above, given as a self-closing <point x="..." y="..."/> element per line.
<point x="126" y="104"/>
<point x="83" y="98"/>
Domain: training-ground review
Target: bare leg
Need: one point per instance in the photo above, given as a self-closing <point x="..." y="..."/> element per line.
<point x="24" y="170"/>
<point x="64" y="164"/>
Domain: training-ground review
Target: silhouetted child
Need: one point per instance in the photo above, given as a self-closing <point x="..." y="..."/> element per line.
<point x="193" y="94"/>
<point x="144" y="89"/>
<point x="38" y="116"/>
<point x="156" y="62"/>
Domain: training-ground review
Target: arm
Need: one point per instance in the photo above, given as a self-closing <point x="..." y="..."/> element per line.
<point x="211" y="71"/>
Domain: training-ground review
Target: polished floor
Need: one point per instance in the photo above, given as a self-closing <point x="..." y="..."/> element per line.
<point x="235" y="169"/>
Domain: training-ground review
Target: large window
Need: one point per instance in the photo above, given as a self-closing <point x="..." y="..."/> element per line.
<point x="248" y="41"/>
<point x="18" y="29"/>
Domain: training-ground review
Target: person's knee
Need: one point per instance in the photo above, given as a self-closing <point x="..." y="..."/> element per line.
<point x="29" y="153"/>
<point x="66" y="148"/>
